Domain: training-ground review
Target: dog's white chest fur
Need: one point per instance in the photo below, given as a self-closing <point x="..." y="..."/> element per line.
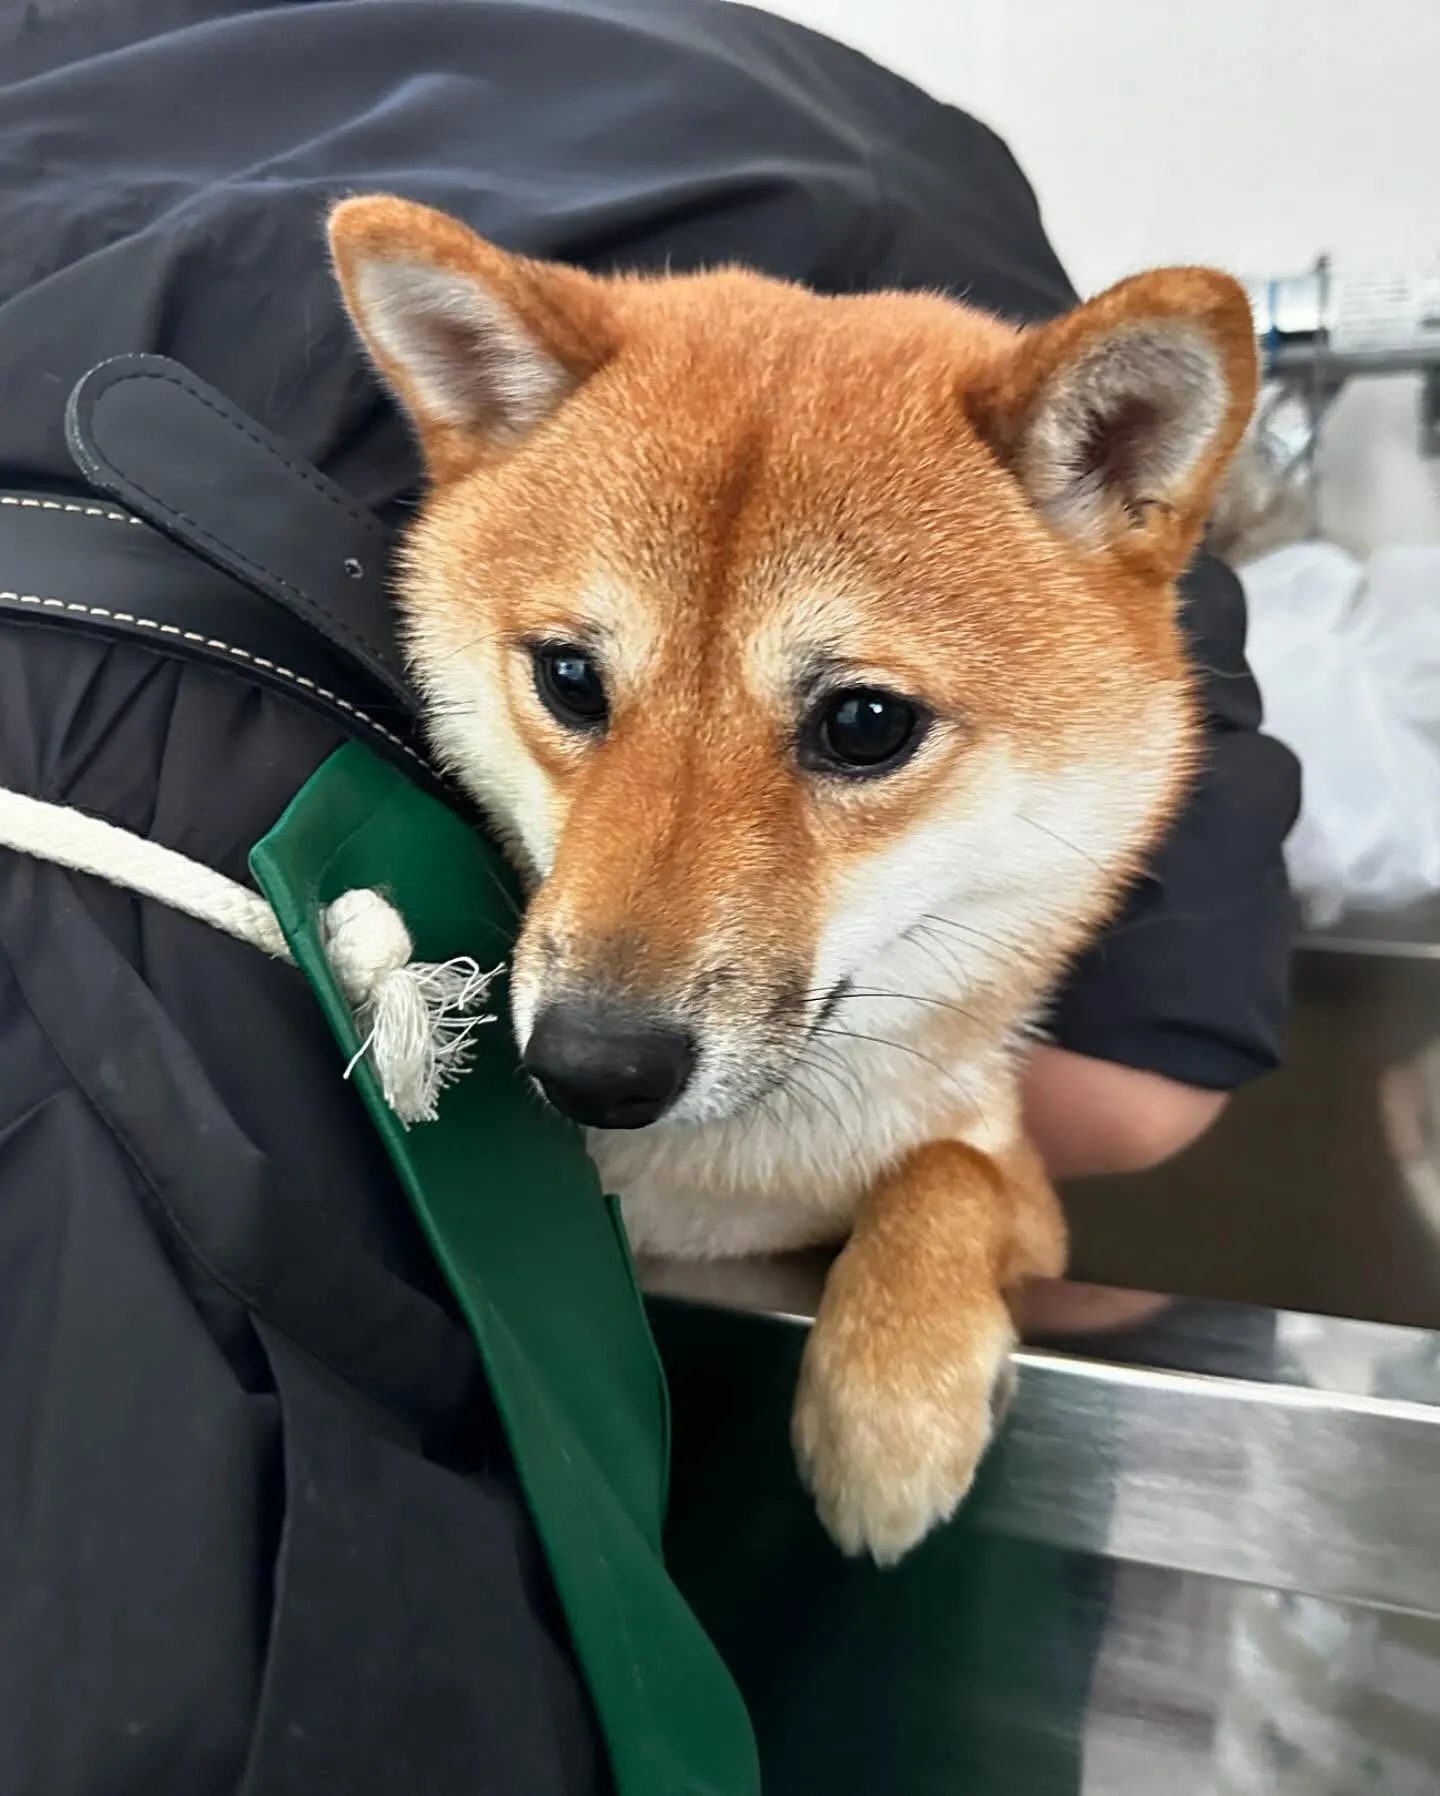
<point x="790" y="1172"/>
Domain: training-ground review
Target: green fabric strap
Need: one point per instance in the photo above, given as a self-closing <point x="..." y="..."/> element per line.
<point x="538" y="1261"/>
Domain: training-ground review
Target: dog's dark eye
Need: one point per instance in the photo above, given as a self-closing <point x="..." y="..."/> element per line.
<point x="570" y="686"/>
<point x="863" y="730"/>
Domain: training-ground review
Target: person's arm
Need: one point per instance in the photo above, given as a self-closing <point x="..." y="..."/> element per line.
<point x="1184" y="998"/>
<point x="1091" y="1116"/>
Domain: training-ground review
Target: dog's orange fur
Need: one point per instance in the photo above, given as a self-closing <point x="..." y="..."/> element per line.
<point x="711" y="478"/>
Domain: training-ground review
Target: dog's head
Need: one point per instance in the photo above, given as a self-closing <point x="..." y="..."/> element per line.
<point x="802" y="649"/>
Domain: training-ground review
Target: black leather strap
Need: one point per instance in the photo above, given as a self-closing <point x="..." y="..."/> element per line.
<point x="148" y="433"/>
<point x="87" y="565"/>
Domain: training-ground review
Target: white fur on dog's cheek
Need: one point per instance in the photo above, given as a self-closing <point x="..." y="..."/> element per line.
<point x="1016" y="855"/>
<point x="476" y="742"/>
<point x="524" y="1003"/>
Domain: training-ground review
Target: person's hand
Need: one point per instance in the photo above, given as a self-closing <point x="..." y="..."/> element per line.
<point x="1092" y="1116"/>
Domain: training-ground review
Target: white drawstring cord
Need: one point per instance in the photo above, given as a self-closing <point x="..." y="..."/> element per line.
<point x="416" y="1018"/>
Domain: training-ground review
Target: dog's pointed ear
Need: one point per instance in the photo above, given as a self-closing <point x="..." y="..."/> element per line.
<point x="1120" y="418"/>
<point x="480" y="346"/>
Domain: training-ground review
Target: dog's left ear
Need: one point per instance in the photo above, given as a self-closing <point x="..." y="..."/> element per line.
<point x="1119" y="418"/>
<point x="480" y="346"/>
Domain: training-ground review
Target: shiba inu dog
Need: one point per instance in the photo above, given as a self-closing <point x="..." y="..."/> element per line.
<point x="817" y="661"/>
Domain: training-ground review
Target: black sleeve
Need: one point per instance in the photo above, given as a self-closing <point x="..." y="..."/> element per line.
<point x="1192" y="981"/>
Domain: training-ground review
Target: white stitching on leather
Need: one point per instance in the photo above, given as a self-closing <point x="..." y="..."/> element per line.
<point x="209" y="642"/>
<point x="84" y="511"/>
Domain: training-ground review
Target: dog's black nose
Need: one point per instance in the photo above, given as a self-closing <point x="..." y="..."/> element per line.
<point x="605" y="1067"/>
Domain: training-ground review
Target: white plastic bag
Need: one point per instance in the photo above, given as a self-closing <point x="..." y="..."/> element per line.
<point x="1348" y="660"/>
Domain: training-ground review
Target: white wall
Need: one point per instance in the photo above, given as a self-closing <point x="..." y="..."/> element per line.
<point x="1248" y="133"/>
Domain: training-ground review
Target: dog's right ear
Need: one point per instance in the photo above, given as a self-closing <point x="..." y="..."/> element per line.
<point x="480" y="346"/>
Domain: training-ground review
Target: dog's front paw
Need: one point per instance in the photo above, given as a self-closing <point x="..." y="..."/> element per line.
<point x="888" y="1432"/>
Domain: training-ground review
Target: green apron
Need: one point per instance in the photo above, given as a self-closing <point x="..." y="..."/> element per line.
<point x="538" y="1261"/>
